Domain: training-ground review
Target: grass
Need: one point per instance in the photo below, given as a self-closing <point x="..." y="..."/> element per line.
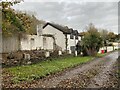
<point x="35" y="71"/>
<point x="100" y="54"/>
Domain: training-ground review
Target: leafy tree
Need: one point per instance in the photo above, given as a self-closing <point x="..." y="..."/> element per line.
<point x="111" y="36"/>
<point x="10" y="23"/>
<point x="118" y="37"/>
<point x="92" y="41"/>
<point x="16" y="23"/>
<point x="104" y="36"/>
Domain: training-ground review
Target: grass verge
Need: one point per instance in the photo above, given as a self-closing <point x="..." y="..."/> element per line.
<point x="100" y="54"/>
<point x="36" y="71"/>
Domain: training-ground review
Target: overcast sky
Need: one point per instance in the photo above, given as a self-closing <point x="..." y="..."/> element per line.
<point x="76" y="15"/>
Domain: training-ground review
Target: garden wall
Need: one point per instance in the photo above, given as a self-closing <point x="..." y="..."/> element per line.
<point x="109" y="48"/>
<point x="29" y="57"/>
<point x="10" y="44"/>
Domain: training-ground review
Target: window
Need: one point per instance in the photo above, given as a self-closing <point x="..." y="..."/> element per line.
<point x="72" y="48"/>
<point x="76" y="37"/>
<point x="71" y="36"/>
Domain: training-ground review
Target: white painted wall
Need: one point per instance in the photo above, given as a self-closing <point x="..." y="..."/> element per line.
<point x="59" y="36"/>
<point x="72" y="42"/>
<point x="79" y="38"/>
<point x="38" y="41"/>
<point x="48" y="43"/>
<point x="35" y="43"/>
<point x="109" y="48"/>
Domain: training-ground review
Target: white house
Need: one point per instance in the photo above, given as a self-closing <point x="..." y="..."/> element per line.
<point x="65" y="38"/>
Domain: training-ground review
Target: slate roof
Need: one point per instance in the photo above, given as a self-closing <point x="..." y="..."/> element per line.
<point x="75" y="32"/>
<point x="63" y="29"/>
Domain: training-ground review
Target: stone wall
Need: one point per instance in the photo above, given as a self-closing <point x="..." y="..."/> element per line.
<point x="29" y="57"/>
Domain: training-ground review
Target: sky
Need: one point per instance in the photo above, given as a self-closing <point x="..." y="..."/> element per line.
<point x="75" y="14"/>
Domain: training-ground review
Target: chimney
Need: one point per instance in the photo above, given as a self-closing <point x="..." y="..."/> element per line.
<point x="39" y="29"/>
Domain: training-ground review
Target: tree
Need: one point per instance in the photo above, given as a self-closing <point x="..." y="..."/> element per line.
<point x="16" y="23"/>
<point x="104" y="36"/>
<point x="111" y="36"/>
<point x="92" y="41"/>
<point x="118" y="37"/>
<point x="10" y="23"/>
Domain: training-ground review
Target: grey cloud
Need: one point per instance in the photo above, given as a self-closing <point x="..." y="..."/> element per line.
<point x="76" y="15"/>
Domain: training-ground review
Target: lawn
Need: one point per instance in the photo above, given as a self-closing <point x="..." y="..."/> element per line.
<point x="100" y="54"/>
<point x="36" y="71"/>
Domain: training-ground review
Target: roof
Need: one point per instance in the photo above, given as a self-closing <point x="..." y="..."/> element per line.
<point x="63" y="29"/>
<point x="75" y="32"/>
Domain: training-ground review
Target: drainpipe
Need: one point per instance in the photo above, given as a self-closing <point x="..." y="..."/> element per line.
<point x="66" y="42"/>
<point x="75" y="43"/>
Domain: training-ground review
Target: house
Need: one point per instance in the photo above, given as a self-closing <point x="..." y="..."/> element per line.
<point x="65" y="39"/>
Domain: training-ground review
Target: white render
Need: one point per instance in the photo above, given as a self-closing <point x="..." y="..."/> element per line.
<point x="59" y="36"/>
<point x="42" y="41"/>
<point x="48" y="43"/>
<point x="109" y="48"/>
<point x="72" y="42"/>
<point x="32" y="42"/>
<point x="35" y="42"/>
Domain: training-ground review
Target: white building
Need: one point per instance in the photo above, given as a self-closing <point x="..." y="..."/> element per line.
<point x="32" y="42"/>
<point x="65" y="38"/>
<point x="36" y="42"/>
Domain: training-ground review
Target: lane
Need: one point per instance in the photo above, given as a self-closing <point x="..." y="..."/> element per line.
<point x="102" y="78"/>
<point x="98" y="69"/>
